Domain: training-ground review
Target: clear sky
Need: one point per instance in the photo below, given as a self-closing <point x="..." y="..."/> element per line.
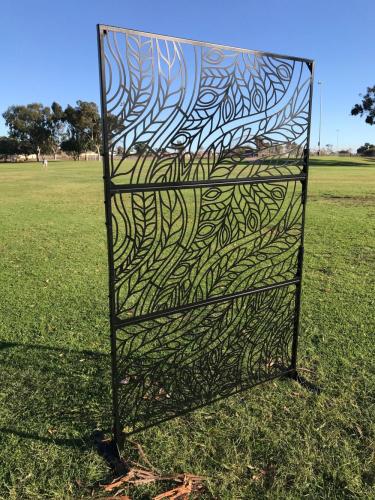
<point x="48" y="48"/>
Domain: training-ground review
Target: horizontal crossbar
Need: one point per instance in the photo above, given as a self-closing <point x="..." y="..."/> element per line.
<point x="130" y="188"/>
<point x="119" y="323"/>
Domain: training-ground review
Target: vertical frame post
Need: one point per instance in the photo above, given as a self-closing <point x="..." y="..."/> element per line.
<point x="117" y="431"/>
<point x="304" y="182"/>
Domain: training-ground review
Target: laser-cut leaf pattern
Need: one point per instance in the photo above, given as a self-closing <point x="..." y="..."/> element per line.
<point x="207" y="145"/>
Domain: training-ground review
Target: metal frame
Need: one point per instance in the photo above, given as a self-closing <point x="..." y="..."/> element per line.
<point x="148" y="318"/>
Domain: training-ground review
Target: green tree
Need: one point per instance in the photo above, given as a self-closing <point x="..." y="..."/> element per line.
<point x="366" y="149"/>
<point x="57" y="126"/>
<point x="140" y="148"/>
<point x="73" y="147"/>
<point x="83" y="128"/>
<point x="115" y="125"/>
<point x="8" y="147"/>
<point x="30" y="125"/>
<point x="367" y="106"/>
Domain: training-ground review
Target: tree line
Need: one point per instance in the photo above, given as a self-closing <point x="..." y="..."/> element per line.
<point x="38" y="129"/>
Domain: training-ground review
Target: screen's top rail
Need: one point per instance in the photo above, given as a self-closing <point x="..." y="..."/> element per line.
<point x="104" y="28"/>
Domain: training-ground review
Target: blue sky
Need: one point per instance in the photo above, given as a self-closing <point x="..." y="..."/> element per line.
<point x="49" y="47"/>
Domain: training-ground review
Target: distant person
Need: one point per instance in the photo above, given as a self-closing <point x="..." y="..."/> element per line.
<point x="45" y="163"/>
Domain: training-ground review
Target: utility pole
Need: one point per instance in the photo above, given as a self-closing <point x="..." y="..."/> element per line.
<point x="320" y="113"/>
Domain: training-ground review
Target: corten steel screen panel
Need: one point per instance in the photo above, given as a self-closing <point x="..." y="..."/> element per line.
<point x="205" y="169"/>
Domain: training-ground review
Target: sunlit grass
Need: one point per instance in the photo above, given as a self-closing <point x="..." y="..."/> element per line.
<point x="275" y="441"/>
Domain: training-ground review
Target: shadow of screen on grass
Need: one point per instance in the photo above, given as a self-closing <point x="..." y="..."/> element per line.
<point x="54" y="394"/>
<point x="323" y="162"/>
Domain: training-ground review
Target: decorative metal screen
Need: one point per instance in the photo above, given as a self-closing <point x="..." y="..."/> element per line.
<point x="205" y="169"/>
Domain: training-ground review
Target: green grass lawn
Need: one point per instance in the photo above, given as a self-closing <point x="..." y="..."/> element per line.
<point x="275" y="441"/>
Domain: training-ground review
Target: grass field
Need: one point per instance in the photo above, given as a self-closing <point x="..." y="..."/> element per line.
<point x="275" y="441"/>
